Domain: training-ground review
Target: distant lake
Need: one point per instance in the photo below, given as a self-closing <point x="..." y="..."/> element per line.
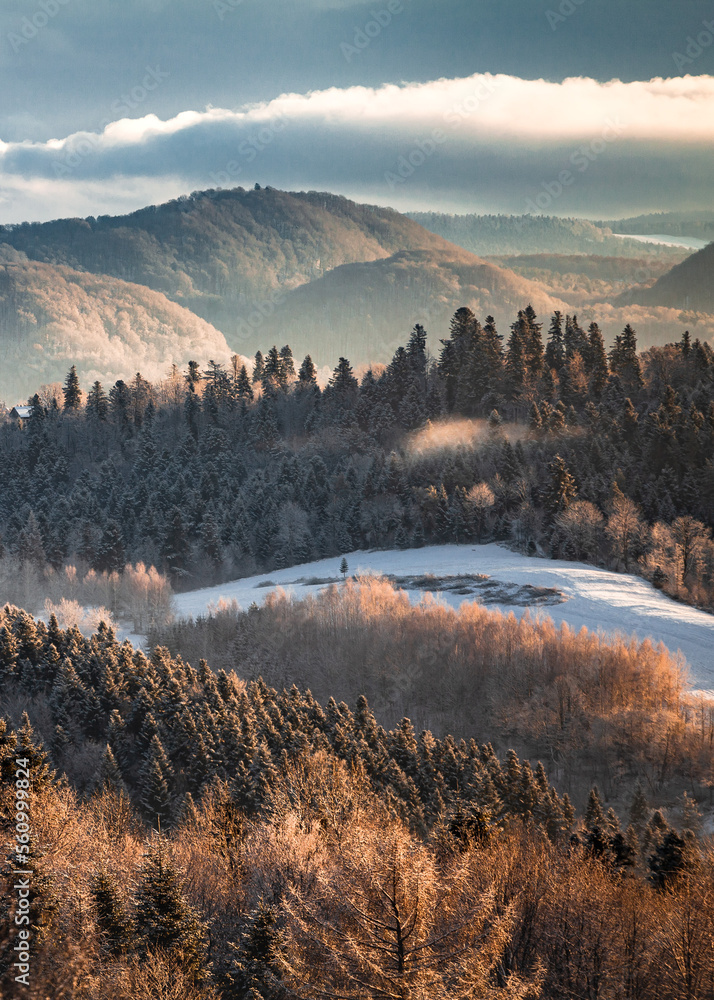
<point x="687" y="242"/>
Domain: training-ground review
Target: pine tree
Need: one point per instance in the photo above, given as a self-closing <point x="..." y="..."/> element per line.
<point x="109" y="776"/>
<point x="120" y="405"/>
<point x="555" y="348"/>
<point x="624" y="361"/>
<point x="193" y="376"/>
<point x="596" y="362"/>
<point x="254" y="971"/>
<point x="287" y="364"/>
<point x="244" y="389"/>
<point x="534" y="345"/>
<point x="114" y="923"/>
<point x="154" y="789"/>
<point x="97" y="403"/>
<point x="575" y="339"/>
<point x="517" y="356"/>
<point x="561" y="489"/>
<point x="30" y="547"/>
<point x="72" y="392"/>
<point x="176" y="546"/>
<point x="273" y="369"/>
<point x="669" y="861"/>
<point x="639" y="808"/>
<point x="258" y="368"/>
<point x="594" y="815"/>
<point x="111" y="555"/>
<point x="535" y="421"/>
<point x="164" y="918"/>
<point x="307" y="376"/>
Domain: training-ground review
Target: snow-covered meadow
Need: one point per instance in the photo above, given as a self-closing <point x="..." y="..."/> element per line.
<point x="595" y="598"/>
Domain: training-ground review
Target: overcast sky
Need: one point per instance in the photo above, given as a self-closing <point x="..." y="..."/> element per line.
<point x="571" y="107"/>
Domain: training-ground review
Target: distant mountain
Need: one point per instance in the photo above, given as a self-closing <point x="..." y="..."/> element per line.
<point x="364" y="311"/>
<point x="501" y="235"/>
<point x="699" y="225"/>
<point x="221" y="253"/>
<point x="688" y="286"/>
<point x="52" y="317"/>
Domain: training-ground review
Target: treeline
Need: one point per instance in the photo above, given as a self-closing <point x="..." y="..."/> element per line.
<point x="138" y="593"/>
<point x="303" y="846"/>
<point x="572" y="449"/>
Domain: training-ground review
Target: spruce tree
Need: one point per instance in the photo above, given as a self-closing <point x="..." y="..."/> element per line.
<point x="258" y="368"/>
<point x="72" y="392"/>
<point x="555" y="348"/>
<point x="114" y="923"/>
<point x="561" y="489"/>
<point x="254" y="973"/>
<point x="307" y="376"/>
<point x="594" y="815"/>
<point x="154" y="785"/>
<point x="111" y="555"/>
<point x="244" y="389"/>
<point x="164" y="918"/>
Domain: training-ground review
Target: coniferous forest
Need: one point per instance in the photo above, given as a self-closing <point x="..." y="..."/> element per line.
<point x="352" y="796"/>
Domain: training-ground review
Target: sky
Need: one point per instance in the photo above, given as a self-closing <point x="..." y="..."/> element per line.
<point x="594" y="108"/>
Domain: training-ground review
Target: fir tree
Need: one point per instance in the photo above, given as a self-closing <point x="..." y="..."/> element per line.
<point x="561" y="489"/>
<point x="72" y="392"/>
<point x="97" y="403"/>
<point x="258" y="368"/>
<point x="154" y="788"/>
<point x="255" y="969"/>
<point x="555" y="348"/>
<point x="244" y="389"/>
<point x="307" y="376"/>
<point x="111" y="555"/>
<point x="114" y="923"/>
<point x="594" y="815"/>
<point x="164" y="918"/>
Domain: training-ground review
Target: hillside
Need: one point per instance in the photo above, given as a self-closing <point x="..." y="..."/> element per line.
<point x="586" y="278"/>
<point x="52" y="317"/>
<point x="689" y="285"/>
<point x="218" y="253"/>
<point x="568" y="592"/>
<point x="364" y="310"/>
<point x="491" y="235"/>
<point x="699" y="225"/>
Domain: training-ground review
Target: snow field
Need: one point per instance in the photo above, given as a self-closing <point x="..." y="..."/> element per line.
<point x="598" y="599"/>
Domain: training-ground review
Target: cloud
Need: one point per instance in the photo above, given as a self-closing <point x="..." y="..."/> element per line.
<point x="484" y="142"/>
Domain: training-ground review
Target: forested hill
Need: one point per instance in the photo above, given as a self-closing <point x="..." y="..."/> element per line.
<point x="544" y="439"/>
<point x="52" y="316"/>
<point x="689" y="285"/>
<point x="358" y="309"/>
<point x="500" y="235"/>
<point x="218" y="252"/>
<point x="699" y="225"/>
